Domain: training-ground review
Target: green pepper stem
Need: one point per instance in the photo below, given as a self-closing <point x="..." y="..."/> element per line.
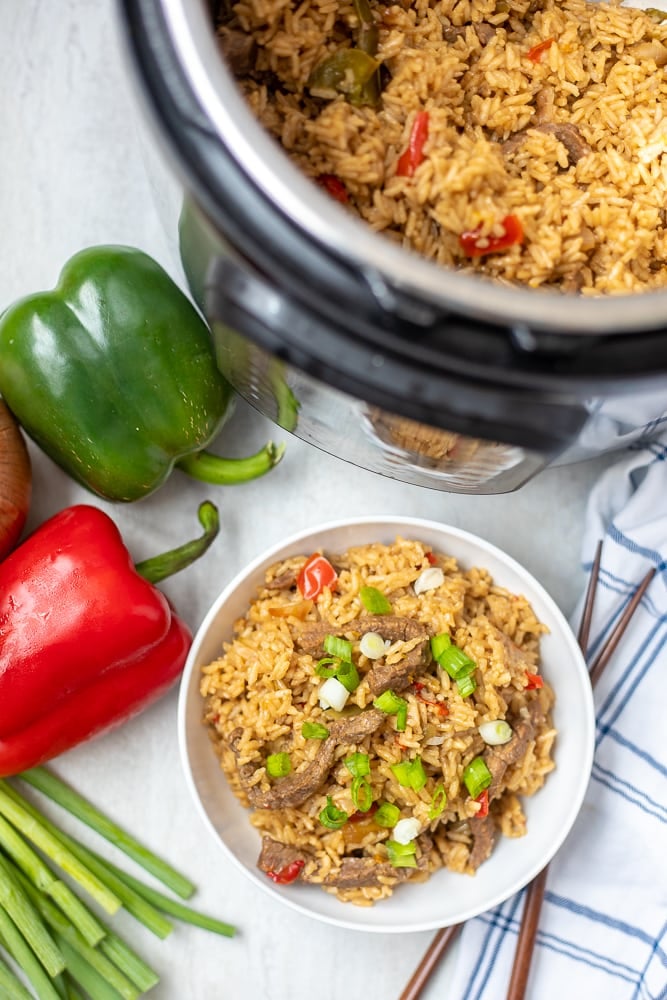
<point x="219" y="471"/>
<point x="159" y="567"/>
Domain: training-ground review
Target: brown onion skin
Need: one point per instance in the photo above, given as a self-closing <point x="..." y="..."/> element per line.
<point x="15" y="481"/>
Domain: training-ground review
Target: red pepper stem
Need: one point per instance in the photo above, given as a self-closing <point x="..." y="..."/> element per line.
<point x="209" y="468"/>
<point x="159" y="567"/>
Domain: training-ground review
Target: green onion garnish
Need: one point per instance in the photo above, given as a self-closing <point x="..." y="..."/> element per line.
<point x="410" y="773"/>
<point x="278" y="765"/>
<point x="391" y="704"/>
<point x="466" y="685"/>
<point x="452" y="659"/>
<point x="341" y="648"/>
<point x="314" y="731"/>
<point x="358" y="765"/>
<point x="476" y="777"/>
<point x="387" y="815"/>
<point x="331" y="816"/>
<point x="374" y="601"/>
<point x="327" y="666"/>
<point x="438" y="802"/>
<point x="348" y="675"/>
<point x="362" y="794"/>
<point x="401" y="855"/>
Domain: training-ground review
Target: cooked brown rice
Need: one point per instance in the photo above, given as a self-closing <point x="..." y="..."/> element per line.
<point x="592" y="208"/>
<point x="265" y="687"/>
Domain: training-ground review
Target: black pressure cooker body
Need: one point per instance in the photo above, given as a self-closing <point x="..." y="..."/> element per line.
<point x="361" y="348"/>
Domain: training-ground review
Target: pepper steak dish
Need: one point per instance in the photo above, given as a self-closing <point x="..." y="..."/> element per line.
<point x="520" y="139"/>
<point x="382" y="713"/>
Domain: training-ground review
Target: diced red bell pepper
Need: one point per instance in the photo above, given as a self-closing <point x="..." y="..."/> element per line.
<point x="534" y="681"/>
<point x="414" y="154"/>
<point x="316" y="574"/>
<point x="535" y="54"/>
<point x="290" y="872"/>
<point x="86" y="641"/>
<point x="475" y="244"/>
<point x="483" y="799"/>
<point x="334" y="186"/>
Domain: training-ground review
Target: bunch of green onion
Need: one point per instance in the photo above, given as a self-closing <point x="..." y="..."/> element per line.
<point x="48" y="930"/>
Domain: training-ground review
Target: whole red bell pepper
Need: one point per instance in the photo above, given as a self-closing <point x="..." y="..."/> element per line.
<point x="86" y="640"/>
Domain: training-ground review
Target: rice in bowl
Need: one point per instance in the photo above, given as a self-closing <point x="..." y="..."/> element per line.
<point x="316" y="818"/>
<point x="543" y="162"/>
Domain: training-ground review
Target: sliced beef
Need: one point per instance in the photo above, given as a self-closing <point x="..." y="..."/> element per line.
<point x="284" y="581"/>
<point x="398" y="676"/>
<point x="566" y="133"/>
<point x="498" y="759"/>
<point x="484" y="32"/>
<point x="238" y="49"/>
<point x="359" y="873"/>
<point x="483" y="838"/>
<point x="294" y="789"/>
<point x="391" y="627"/>
<point x="275" y="855"/>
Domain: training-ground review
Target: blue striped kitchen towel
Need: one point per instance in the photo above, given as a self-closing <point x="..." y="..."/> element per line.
<point x="603" y="925"/>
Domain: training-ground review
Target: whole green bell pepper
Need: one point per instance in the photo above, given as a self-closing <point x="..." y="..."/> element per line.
<point x="113" y="374"/>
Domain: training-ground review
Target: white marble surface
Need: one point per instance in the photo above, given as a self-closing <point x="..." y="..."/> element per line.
<point x="72" y="175"/>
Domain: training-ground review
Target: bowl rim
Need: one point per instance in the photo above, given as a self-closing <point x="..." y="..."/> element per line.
<point x="396" y="523"/>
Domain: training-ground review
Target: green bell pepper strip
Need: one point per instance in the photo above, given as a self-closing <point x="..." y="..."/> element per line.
<point x="113" y="374"/>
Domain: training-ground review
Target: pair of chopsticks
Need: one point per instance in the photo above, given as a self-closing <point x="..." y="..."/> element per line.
<point x="535" y="892"/>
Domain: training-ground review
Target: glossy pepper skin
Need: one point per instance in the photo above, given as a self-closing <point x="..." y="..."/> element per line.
<point x="113" y="374"/>
<point x="85" y="641"/>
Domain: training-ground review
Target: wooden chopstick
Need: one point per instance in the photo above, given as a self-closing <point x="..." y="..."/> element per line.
<point x="535" y="892"/>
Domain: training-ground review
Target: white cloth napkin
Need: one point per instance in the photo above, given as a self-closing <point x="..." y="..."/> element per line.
<point x="603" y="925"/>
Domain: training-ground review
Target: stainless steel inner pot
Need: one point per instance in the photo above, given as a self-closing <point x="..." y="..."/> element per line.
<point x="390" y="361"/>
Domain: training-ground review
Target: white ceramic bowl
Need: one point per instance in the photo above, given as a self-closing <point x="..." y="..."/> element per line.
<point x="446" y="898"/>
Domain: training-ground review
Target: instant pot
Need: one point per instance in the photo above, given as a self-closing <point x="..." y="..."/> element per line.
<point x="366" y="350"/>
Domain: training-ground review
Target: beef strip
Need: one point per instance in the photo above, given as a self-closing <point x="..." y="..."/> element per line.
<point x="358" y="873"/>
<point x="483" y="838"/>
<point x="390" y="627"/>
<point x="285" y="581"/>
<point x="398" y="676"/>
<point x="484" y="32"/>
<point x="566" y="133"/>
<point x="296" y="788"/>
<point x="275" y="855"/>
<point x="498" y="759"/>
<point x="238" y="49"/>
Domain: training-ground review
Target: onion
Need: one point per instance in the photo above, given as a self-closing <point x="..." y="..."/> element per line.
<point x="333" y="694"/>
<point x="406" y="830"/>
<point x="372" y="645"/>
<point x="15" y="481"/>
<point x="429" y="579"/>
<point x="495" y="733"/>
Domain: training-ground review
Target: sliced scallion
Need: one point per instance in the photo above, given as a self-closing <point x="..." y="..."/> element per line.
<point x="410" y="773"/>
<point x="362" y="794"/>
<point x="466" y="685"/>
<point x="452" y="659"/>
<point x="341" y="648"/>
<point x="438" y="802"/>
<point x="358" y="765"/>
<point x="495" y="733"/>
<point x="331" y="816"/>
<point x="348" y="675"/>
<point x="327" y="666"/>
<point x="387" y="815"/>
<point x="374" y="601"/>
<point x="278" y="765"/>
<point x="476" y="777"/>
<point x="314" y="731"/>
<point x="391" y="704"/>
<point x="401" y="855"/>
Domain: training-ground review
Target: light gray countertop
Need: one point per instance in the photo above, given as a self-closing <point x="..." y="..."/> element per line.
<point x="73" y="175"/>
